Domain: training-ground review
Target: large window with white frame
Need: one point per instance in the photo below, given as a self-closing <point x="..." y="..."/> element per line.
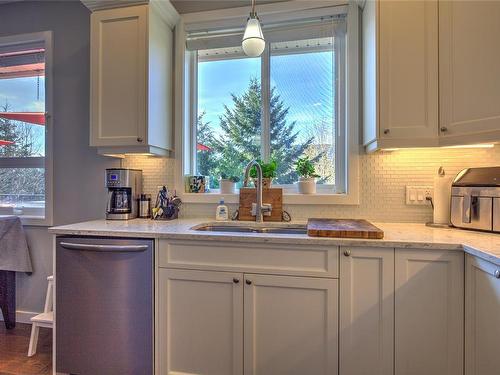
<point x="24" y="142"/>
<point x="287" y="104"/>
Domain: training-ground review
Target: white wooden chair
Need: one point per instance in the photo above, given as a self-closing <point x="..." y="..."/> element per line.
<point x="45" y="319"/>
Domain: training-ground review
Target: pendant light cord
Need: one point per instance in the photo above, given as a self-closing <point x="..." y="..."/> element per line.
<point x="252" y="13"/>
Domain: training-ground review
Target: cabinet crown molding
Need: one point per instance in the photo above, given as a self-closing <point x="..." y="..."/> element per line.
<point x="164" y="7"/>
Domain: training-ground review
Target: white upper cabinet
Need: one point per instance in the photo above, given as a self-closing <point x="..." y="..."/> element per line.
<point x="131" y="80"/>
<point x="469" y="75"/>
<point x="482" y="317"/>
<point x="367" y="311"/>
<point x="429" y="319"/>
<point x="400" y="74"/>
<point x="408" y="72"/>
<point x="430" y="73"/>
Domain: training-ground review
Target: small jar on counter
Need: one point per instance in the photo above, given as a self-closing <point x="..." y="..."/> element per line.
<point x="145" y="206"/>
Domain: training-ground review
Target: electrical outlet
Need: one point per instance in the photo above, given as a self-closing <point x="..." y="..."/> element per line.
<point x="417" y="195"/>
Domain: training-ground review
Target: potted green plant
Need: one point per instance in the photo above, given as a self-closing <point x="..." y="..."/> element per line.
<point x="268" y="173"/>
<point x="228" y="183"/>
<point x="307" y="176"/>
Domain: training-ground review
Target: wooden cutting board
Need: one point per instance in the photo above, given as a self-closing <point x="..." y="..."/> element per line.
<point x="343" y="228"/>
<point x="271" y="195"/>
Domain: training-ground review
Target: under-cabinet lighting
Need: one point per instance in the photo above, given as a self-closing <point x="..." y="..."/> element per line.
<point x="477" y="145"/>
<point x="120" y="156"/>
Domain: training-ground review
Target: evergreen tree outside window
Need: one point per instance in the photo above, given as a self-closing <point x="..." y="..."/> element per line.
<point x="23" y="185"/>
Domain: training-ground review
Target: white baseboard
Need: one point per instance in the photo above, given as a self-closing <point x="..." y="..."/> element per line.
<point x="23" y="316"/>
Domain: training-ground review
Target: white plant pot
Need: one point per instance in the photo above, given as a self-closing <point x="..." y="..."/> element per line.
<point x="227" y="187"/>
<point x="307" y="185"/>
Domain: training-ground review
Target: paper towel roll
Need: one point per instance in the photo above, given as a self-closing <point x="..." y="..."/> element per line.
<point x="442" y="196"/>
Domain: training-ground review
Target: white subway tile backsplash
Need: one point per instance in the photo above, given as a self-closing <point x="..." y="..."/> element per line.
<point x="383" y="180"/>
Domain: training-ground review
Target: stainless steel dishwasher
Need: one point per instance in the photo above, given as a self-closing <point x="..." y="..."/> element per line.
<point x="104" y="306"/>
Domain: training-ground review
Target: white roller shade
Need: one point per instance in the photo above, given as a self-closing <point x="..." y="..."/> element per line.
<point x="308" y="29"/>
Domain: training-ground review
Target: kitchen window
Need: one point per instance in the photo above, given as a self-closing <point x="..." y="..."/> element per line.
<point x="286" y="104"/>
<point x="24" y="128"/>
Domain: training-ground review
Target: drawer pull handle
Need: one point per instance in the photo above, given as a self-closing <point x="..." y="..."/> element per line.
<point x="347" y="253"/>
<point x="386" y="131"/>
<point x="249" y="282"/>
<point x="497" y="274"/>
<point x="236" y="281"/>
<point x="444" y="129"/>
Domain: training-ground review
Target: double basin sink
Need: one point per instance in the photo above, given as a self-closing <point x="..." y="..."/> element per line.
<point x="252" y="228"/>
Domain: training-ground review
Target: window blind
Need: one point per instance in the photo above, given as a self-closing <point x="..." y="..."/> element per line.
<point x="331" y="26"/>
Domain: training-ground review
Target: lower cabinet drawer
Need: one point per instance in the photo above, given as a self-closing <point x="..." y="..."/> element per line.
<point x="283" y="259"/>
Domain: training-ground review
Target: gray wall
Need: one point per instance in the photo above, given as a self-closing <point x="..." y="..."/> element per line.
<point x="79" y="192"/>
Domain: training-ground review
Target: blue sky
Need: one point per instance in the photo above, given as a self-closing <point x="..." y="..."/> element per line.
<point x="21" y="96"/>
<point x="304" y="82"/>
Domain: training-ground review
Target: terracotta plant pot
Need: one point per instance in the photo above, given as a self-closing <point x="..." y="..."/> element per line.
<point x="266" y="182"/>
<point x="307" y="185"/>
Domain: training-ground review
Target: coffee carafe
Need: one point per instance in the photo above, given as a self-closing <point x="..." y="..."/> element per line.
<point x="124" y="189"/>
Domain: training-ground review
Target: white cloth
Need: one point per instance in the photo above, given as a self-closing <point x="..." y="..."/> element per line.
<point x="14" y="252"/>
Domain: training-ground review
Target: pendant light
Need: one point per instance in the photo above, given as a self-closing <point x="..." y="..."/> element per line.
<point x="253" y="42"/>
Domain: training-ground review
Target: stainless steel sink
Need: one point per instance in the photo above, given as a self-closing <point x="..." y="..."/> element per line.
<point x="295" y="229"/>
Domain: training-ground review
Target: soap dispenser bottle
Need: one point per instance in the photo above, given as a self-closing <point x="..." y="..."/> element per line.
<point x="222" y="212"/>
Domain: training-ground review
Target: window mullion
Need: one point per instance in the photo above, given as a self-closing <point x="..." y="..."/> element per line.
<point x="22" y="162"/>
<point x="265" y="138"/>
<point x="340" y="118"/>
<point x="193" y="88"/>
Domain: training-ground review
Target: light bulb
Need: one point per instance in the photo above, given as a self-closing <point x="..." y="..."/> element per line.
<point x="253" y="42"/>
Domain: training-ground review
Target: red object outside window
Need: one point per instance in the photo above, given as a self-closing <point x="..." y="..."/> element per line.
<point x="37" y="118"/>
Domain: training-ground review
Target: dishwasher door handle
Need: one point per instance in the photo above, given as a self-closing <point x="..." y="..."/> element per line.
<point x="103" y="248"/>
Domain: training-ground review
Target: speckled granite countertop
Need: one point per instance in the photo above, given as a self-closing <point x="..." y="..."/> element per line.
<point x="398" y="235"/>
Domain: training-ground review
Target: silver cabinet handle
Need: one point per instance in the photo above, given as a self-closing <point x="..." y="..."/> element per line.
<point x="497" y="274"/>
<point x="103" y="248"/>
<point x="347" y="253"/>
<point x="249" y="282"/>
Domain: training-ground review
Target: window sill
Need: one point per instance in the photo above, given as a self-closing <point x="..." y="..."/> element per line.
<point x="288" y="198"/>
<point x="31" y="220"/>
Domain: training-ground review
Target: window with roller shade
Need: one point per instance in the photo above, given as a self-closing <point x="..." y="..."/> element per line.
<point x="286" y="104"/>
<point x="23" y="125"/>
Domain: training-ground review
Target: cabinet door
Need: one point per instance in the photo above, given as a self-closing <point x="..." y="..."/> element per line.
<point x="429" y="320"/>
<point x="118" y="76"/>
<point x="200" y="322"/>
<point x="291" y="325"/>
<point x="367" y="311"/>
<point x="408" y="63"/>
<point x="469" y="58"/>
<point x="482" y="317"/>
